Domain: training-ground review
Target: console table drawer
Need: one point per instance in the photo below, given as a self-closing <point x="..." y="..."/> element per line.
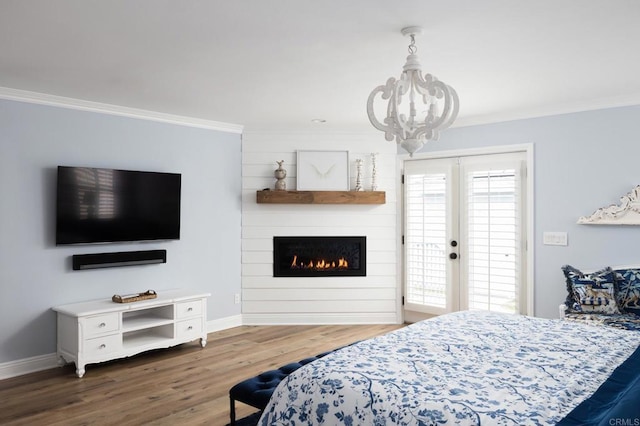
<point x="189" y="329"/>
<point x="100" y="324"/>
<point x="102" y="345"/>
<point x="189" y="309"/>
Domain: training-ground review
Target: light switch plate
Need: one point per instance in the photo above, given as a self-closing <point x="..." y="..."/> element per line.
<point x="554" y="239"/>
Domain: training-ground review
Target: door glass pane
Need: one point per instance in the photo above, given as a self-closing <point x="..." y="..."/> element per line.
<point x="425" y="239"/>
<point x="493" y="240"/>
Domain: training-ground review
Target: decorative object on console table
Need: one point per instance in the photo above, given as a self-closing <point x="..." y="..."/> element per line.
<point x="280" y="173"/>
<point x="100" y="330"/>
<point x="323" y="171"/>
<point x="359" y="175"/>
<point x="320" y="197"/>
<point x="128" y="298"/>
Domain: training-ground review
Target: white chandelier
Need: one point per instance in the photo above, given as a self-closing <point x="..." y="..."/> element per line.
<point x="410" y="127"/>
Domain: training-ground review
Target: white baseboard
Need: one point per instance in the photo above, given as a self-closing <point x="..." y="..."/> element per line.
<point x="316" y="318"/>
<point x="224" y="323"/>
<point x="44" y="362"/>
<point x="28" y="365"/>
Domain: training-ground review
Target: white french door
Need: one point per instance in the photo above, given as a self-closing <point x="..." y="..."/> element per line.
<point x="464" y="234"/>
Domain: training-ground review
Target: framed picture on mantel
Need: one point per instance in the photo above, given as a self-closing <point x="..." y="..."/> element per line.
<point x="323" y="171"/>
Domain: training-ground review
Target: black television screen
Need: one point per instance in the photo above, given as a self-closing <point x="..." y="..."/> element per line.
<point x="105" y="205"/>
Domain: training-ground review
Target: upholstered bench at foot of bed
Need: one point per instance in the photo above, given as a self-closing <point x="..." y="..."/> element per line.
<point x="257" y="390"/>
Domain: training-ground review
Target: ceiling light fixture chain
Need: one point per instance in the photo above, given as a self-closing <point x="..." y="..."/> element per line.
<point x="421" y="119"/>
<point x="413" y="49"/>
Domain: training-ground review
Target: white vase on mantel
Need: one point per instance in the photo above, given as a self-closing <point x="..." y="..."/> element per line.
<point x="359" y="175"/>
<point x="280" y="173"/>
<point x="374" y="171"/>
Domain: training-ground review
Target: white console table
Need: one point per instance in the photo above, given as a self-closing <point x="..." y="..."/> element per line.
<point x="102" y="330"/>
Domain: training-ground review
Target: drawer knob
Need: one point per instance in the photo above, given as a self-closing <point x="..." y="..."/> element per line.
<point x="190" y="327"/>
<point x="102" y="346"/>
<point x="101" y="325"/>
<point x="189" y="309"/>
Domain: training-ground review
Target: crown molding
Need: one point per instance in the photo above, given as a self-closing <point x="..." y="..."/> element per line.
<point x="82" y="105"/>
<point x="628" y="100"/>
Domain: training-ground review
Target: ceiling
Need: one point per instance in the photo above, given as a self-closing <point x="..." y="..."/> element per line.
<point x="279" y="64"/>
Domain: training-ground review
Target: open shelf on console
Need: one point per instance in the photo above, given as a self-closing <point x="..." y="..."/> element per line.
<point x="146" y="318"/>
<point x="147" y="336"/>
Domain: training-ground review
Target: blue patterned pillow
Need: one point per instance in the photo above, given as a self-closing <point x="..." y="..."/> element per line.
<point x="628" y="281"/>
<point x="591" y="293"/>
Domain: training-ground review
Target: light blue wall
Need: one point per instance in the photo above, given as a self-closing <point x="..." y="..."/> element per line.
<point x="583" y="161"/>
<point x="36" y="275"/>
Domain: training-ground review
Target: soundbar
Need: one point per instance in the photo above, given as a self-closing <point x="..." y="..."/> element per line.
<point x="122" y="258"/>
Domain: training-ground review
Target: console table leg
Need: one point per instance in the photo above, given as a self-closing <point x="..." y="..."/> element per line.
<point x="203" y="342"/>
<point x="80" y="371"/>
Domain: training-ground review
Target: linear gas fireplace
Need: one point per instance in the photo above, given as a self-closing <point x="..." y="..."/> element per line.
<point x="319" y="256"/>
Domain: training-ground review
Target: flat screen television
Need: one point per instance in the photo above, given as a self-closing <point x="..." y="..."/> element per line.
<point x="105" y="205"/>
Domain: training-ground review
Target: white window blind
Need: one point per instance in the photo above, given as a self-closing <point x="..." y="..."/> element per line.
<point x="493" y="239"/>
<point x="426" y="239"/>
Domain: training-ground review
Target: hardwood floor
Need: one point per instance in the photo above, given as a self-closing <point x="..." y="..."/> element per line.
<point x="185" y="385"/>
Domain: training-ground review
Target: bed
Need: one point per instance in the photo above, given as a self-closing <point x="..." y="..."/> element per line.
<point x="470" y="368"/>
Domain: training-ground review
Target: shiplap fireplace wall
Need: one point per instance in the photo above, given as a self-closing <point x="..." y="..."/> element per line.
<point x="266" y="299"/>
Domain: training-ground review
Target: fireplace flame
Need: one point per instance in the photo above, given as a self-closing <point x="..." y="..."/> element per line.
<point x="320" y="264"/>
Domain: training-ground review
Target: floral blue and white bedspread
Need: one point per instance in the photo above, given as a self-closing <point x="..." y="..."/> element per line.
<point x="465" y="368"/>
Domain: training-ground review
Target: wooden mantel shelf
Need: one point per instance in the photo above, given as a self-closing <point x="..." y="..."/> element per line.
<point x="320" y="197"/>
